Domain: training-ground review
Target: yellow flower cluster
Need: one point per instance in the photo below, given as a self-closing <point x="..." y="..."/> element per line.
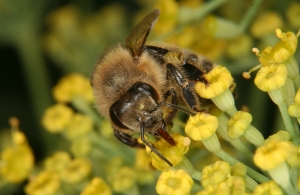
<point x="58" y="169"/>
<point x="221" y="178"/>
<point x="72" y="86"/>
<point x="17" y="160"/>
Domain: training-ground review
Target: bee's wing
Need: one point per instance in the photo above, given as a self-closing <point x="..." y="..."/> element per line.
<point x="137" y="38"/>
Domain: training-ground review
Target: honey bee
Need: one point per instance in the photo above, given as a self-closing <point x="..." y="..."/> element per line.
<point x="132" y="85"/>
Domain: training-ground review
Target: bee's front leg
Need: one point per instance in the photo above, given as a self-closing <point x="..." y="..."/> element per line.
<point x="128" y="139"/>
<point x="171" y="92"/>
<point x="187" y="91"/>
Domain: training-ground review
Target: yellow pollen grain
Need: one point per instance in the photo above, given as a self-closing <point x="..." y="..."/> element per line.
<point x="142" y="106"/>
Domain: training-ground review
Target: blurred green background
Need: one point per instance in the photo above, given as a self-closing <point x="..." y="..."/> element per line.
<point x="43" y="40"/>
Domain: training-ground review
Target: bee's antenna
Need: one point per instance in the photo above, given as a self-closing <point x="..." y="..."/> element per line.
<point x="152" y="147"/>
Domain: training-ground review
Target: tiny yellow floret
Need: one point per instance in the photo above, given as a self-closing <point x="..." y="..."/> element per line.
<point x="176" y="182"/>
<point x="96" y="187"/>
<point x="271" y="77"/>
<point x="271" y="154"/>
<point x="56" y="118"/>
<point x="124" y="179"/>
<point x="294" y="156"/>
<point x="76" y="171"/>
<point x="219" y="80"/>
<point x="201" y="126"/>
<point x="268" y="188"/>
<point x="215" y="173"/>
<point x="71" y="86"/>
<point x="281" y="135"/>
<point x="239" y="169"/>
<point x="46" y="182"/>
<point x="220" y="189"/>
<point x="16" y="163"/>
<point x="79" y="126"/>
<point x="57" y="162"/>
<point x="238" y="124"/>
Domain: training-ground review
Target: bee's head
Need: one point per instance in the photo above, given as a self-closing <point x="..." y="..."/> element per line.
<point x="138" y="105"/>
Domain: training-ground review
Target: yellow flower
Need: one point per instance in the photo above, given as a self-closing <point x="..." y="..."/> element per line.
<point x="57" y="162"/>
<point x="81" y="147"/>
<point x="17" y="163"/>
<point x="281" y="53"/>
<point x="271" y="154"/>
<point x="294" y="157"/>
<point x="168" y="16"/>
<point x="46" y="182"/>
<point x="239" y="169"/>
<point x="239" y="125"/>
<point x="272" y="157"/>
<point x="56" y="118"/>
<point x="78" y="126"/>
<point x="173" y="153"/>
<point x="271" y="77"/>
<point x="97" y="187"/>
<point x="294" y="109"/>
<point x="218" y="90"/>
<point x="174" y="182"/>
<point x="265" y="58"/>
<point x="281" y="135"/>
<point x="219" y="189"/>
<point x="124" y="179"/>
<point x="288" y="45"/>
<point x="237" y="185"/>
<point x="76" y="171"/>
<point x="71" y="86"/>
<point x="219" y="80"/>
<point x="268" y="188"/>
<point x="202" y="127"/>
<point x="266" y="24"/>
<point x="215" y="174"/>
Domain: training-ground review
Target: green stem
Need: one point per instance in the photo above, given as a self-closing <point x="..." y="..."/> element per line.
<point x="186" y="16"/>
<point x="250" y="14"/>
<point x="35" y="70"/>
<point x="133" y="191"/>
<point x="232" y="161"/>
<point x="110" y="148"/>
<point x="288" y="121"/>
<point x="250" y="183"/>
<point x="80" y="104"/>
<point x="187" y="166"/>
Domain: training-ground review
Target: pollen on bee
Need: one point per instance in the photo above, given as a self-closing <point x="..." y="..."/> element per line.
<point x="142" y="106"/>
